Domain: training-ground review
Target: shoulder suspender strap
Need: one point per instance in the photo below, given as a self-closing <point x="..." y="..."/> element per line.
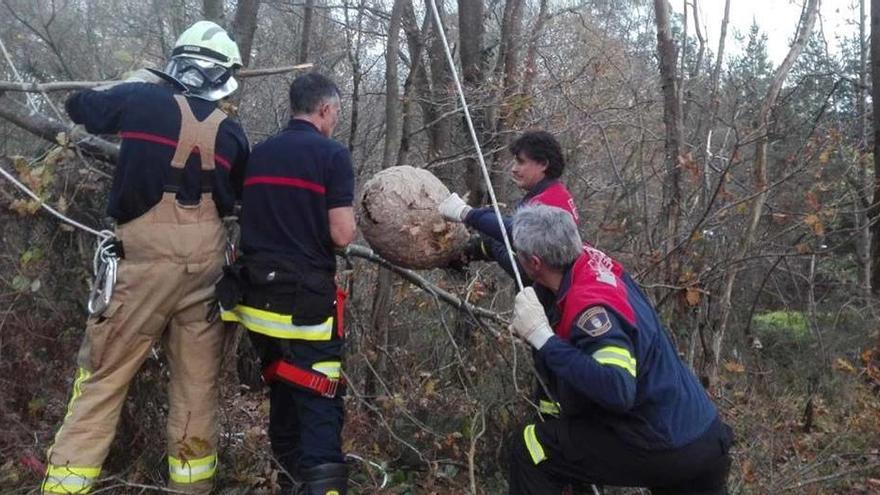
<point x="195" y="134"/>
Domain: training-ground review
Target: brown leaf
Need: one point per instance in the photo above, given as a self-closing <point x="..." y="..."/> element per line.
<point x="843" y="365"/>
<point x="815" y="223"/>
<point x="692" y="296"/>
<point x="734" y="367"/>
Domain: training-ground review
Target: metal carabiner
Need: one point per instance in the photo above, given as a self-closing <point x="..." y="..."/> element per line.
<point x="104" y="266"/>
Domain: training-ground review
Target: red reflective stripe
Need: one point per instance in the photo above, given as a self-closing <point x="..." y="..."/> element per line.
<point x="340" y="311"/>
<point x="153" y="138"/>
<point x="143" y="136"/>
<point x="285" y="181"/>
<point x="313" y="381"/>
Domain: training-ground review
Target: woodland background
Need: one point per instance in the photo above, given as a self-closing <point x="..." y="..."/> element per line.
<point x="741" y="193"/>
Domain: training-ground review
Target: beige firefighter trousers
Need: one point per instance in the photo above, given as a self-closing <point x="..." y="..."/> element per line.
<point x="173" y="256"/>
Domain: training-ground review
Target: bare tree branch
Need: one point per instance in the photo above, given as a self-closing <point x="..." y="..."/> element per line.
<point x="49" y="129"/>
<point x="419" y="281"/>
<point x="35" y="87"/>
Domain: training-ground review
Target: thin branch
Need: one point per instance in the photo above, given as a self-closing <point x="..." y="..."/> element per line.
<point x="49" y="129"/>
<point x="34" y="87"/>
<point x="419" y="281"/>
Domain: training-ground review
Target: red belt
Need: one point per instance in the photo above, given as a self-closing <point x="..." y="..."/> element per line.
<point x="315" y="382"/>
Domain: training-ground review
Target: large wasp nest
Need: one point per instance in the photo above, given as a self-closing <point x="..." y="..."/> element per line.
<point x="399" y="218"/>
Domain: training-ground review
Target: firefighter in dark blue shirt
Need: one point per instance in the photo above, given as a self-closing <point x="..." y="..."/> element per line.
<point x="297" y="208"/>
<point x="629" y="412"/>
<point x="180" y="167"/>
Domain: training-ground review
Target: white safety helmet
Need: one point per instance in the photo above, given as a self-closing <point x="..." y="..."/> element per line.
<point x="203" y="62"/>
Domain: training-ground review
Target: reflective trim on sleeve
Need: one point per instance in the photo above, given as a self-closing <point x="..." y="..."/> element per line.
<point x="192" y="470"/>
<point x="548" y="407"/>
<point x="278" y="325"/>
<point x="532" y="444"/>
<point x="69" y="479"/>
<point x="331" y="369"/>
<point x="616" y="356"/>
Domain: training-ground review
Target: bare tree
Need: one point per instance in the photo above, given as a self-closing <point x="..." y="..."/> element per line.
<point x="470" y="28"/>
<point x="244" y="26"/>
<point x="671" y="207"/>
<point x="212" y="10"/>
<point x="379" y="316"/>
<point x="874" y="212"/>
<point x="808" y="19"/>
<point x="306" y="35"/>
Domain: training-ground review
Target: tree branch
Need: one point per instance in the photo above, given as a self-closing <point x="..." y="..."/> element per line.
<point x="419" y="281"/>
<point x="49" y="129"/>
<point x="34" y="87"/>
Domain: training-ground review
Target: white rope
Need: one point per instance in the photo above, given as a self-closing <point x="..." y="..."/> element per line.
<point x="467" y="117"/>
<point x="106" y="234"/>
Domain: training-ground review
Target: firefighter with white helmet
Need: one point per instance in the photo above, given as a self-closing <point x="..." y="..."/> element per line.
<point x="180" y="170"/>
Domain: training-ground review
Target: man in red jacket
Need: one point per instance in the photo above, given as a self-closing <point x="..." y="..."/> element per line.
<point x="537" y="167"/>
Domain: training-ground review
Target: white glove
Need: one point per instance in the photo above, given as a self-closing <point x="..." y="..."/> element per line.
<point x="143" y="75"/>
<point x="140" y="75"/>
<point x="529" y="320"/>
<point x="454" y="208"/>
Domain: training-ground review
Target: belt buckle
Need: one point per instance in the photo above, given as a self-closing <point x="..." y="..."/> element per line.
<point x="331" y="389"/>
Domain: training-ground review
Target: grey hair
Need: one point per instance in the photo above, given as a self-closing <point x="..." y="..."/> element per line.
<point x="548" y="233"/>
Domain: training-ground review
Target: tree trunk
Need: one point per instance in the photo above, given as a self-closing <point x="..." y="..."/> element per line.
<point x="440" y="130"/>
<point x="760" y="172"/>
<point x="507" y="66"/>
<point x="874" y="212"/>
<point x="244" y="26"/>
<point x="308" y="12"/>
<point x="392" y="88"/>
<point x="671" y="207"/>
<point x="470" y="28"/>
<point x="416" y="71"/>
<point x="531" y="65"/>
<point x="212" y="10"/>
<point x="379" y="316"/>
<point x="353" y="50"/>
<point x="864" y="252"/>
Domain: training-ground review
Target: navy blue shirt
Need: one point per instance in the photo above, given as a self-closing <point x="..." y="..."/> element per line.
<point x="293" y="179"/>
<point x="148" y="120"/>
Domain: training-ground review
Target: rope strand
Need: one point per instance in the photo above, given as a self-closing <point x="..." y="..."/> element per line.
<point x="470" y="123"/>
<point x="106" y="234"/>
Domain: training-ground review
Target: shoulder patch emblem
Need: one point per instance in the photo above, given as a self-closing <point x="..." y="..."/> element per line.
<point x="594" y="321"/>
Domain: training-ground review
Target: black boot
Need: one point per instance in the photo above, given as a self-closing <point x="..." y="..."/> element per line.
<point x="324" y="479"/>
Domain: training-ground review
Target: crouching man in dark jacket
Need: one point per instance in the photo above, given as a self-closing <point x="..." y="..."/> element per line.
<point x="630" y="413"/>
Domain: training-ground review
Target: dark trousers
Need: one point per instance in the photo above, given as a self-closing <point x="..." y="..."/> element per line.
<point x="305" y="428"/>
<point x="578" y="452"/>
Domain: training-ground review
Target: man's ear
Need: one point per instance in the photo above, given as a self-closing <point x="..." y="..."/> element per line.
<point x="535" y="263"/>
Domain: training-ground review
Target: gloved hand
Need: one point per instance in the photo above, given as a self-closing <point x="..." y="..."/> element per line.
<point x="454" y="208"/>
<point x="140" y="75"/>
<point x="143" y="75"/>
<point x="529" y="320"/>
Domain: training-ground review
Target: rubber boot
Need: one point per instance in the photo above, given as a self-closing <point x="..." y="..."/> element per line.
<point x="325" y="479"/>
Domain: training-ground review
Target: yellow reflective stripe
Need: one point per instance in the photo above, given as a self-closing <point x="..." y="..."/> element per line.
<point x="278" y="325"/>
<point x="331" y="369"/>
<point x="191" y="470"/>
<point x="532" y="444"/>
<point x="82" y="375"/>
<point x="616" y="356"/>
<point x="68" y="479"/>
<point x="548" y="407"/>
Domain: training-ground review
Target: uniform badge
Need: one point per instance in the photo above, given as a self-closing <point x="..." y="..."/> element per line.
<point x="594" y="321"/>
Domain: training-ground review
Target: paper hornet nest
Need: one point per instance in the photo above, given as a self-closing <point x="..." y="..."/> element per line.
<point x="399" y="219"/>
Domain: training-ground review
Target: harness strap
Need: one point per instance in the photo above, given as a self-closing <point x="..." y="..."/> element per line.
<point x="195" y="135"/>
<point x="316" y="382"/>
